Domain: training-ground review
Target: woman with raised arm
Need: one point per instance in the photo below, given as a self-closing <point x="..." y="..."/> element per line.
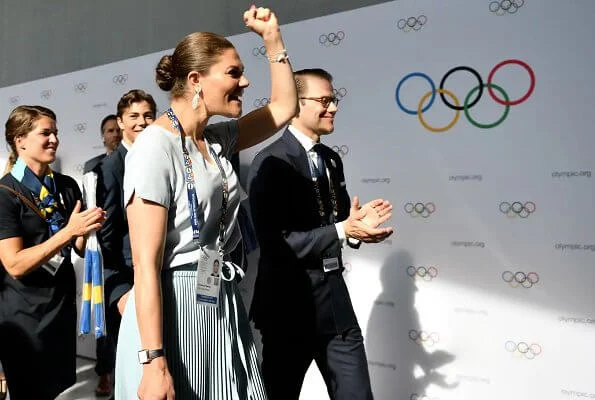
<point x="182" y="335"/>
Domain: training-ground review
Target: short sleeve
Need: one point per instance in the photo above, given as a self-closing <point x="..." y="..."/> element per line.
<point x="10" y="224"/>
<point x="226" y="135"/>
<point x="148" y="168"/>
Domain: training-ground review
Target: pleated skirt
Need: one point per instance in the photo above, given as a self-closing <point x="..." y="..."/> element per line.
<point x="210" y="350"/>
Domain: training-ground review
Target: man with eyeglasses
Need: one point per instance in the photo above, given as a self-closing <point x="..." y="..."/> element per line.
<point x="303" y="217"/>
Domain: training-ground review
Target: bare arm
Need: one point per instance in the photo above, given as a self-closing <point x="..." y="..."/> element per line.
<point x="263" y="122"/>
<point x="147" y="240"/>
<point x="19" y="261"/>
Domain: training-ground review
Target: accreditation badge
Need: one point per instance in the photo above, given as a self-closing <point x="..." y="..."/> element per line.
<point x="330" y="264"/>
<point x="53" y="264"/>
<point x="208" y="278"/>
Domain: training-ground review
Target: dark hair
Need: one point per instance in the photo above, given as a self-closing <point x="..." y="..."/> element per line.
<point x="300" y="81"/>
<point x="20" y="122"/>
<point x="107" y="118"/>
<point x="135" y="96"/>
<point x="198" y="52"/>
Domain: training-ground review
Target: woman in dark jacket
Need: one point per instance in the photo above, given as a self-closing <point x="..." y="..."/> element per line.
<point x="40" y="222"/>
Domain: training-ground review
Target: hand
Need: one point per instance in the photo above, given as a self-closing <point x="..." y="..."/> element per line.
<point x="355" y="227"/>
<point x="261" y="20"/>
<point x="156" y="383"/>
<point x="81" y="223"/>
<point x="376" y="211"/>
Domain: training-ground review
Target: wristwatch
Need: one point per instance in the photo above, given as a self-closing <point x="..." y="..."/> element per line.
<point x="145" y="356"/>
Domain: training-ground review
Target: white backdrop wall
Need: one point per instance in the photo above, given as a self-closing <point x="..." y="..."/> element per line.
<point x="485" y="289"/>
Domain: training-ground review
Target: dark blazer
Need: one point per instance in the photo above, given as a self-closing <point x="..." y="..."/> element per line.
<point x="291" y="289"/>
<point x="93" y="163"/>
<point x="113" y="236"/>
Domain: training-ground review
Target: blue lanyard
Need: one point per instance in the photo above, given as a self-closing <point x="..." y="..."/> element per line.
<point x="191" y="187"/>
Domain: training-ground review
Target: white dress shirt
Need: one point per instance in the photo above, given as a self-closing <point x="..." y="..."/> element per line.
<point x="308" y="144"/>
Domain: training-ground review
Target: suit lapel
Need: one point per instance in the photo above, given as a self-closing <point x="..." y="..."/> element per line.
<point x="296" y="154"/>
<point x="121" y="151"/>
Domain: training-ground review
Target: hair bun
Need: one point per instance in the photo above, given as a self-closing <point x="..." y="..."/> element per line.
<point x="164" y="73"/>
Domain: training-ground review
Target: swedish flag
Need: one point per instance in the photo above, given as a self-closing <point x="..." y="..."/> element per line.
<point x="92" y="304"/>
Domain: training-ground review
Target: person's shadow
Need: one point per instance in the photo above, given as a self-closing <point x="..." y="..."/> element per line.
<point x="401" y="360"/>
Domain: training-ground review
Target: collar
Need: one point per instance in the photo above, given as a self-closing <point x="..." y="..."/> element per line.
<point x="126" y="146"/>
<point x="306" y="141"/>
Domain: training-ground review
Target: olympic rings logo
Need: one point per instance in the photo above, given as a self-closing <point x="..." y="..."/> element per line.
<point x="342" y="150"/>
<point x="331" y="38"/>
<point x="259" y="51"/>
<point x="427" y="274"/>
<point x="528" y="351"/>
<point x="261" y="102"/>
<point x="80" y="127"/>
<point x="416" y="396"/>
<point x="120" y="79"/>
<point x="506" y="6"/>
<point x="80" y="87"/>
<point x="519" y="278"/>
<point x="45" y="94"/>
<point x="420" y="209"/>
<point x="469" y="100"/>
<point x="412" y="23"/>
<point x="14" y="100"/>
<point x="422" y="337"/>
<point x="340" y="93"/>
<point x="517" y="209"/>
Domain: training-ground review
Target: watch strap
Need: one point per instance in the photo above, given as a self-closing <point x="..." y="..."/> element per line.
<point x="145" y="356"/>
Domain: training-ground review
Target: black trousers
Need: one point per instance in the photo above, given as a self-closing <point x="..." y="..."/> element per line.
<point x="105" y="349"/>
<point x="341" y="360"/>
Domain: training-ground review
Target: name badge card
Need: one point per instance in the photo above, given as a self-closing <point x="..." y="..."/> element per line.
<point x="53" y="264"/>
<point x="208" y="279"/>
<point x="330" y="264"/>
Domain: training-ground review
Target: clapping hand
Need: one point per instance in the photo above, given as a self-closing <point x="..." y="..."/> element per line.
<point x="376" y="212"/>
<point x="363" y="222"/>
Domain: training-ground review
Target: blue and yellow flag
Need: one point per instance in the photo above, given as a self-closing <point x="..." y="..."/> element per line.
<point x="92" y="304"/>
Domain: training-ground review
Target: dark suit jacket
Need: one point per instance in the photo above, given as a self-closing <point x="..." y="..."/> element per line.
<point x="113" y="236"/>
<point x="93" y="163"/>
<point x="291" y="289"/>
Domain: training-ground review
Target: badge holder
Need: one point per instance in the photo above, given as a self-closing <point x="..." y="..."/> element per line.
<point x="53" y="264"/>
<point x="208" y="277"/>
<point x="330" y="264"/>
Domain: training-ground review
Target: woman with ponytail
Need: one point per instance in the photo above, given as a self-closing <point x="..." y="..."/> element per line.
<point x="183" y="334"/>
<point x="40" y="222"/>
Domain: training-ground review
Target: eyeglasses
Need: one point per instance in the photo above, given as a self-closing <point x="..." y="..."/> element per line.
<point x="325" y="100"/>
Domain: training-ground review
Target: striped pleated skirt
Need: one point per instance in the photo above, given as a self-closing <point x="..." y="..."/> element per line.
<point x="210" y="350"/>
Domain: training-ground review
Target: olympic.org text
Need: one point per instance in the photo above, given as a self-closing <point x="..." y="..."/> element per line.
<point x="574" y="246"/>
<point x="574" y="394"/>
<point x="461" y="243"/>
<point x="462" y="178"/>
<point x="376" y="180"/>
<point x="471" y="378"/>
<point x="575" y="320"/>
<point x="382" y="364"/>
<point x="465" y="310"/>
<point x="571" y="174"/>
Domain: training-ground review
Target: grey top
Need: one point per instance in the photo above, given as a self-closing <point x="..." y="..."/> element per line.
<point x="154" y="172"/>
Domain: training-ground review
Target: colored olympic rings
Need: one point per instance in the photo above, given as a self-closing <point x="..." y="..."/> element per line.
<point x="470" y="100"/>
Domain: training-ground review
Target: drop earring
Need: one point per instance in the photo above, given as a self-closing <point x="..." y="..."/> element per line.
<point x="196" y="97"/>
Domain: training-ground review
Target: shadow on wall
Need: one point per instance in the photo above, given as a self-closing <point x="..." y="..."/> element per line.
<point x="400" y="364"/>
